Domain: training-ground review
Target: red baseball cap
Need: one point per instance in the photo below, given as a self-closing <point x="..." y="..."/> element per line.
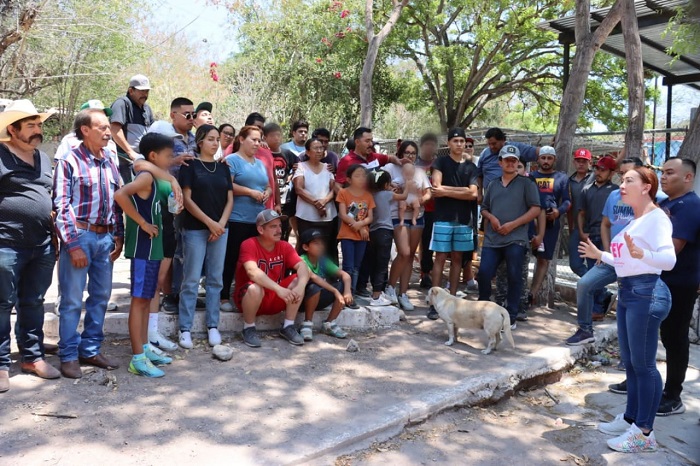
<point x="582" y="154"/>
<point x="607" y="163"/>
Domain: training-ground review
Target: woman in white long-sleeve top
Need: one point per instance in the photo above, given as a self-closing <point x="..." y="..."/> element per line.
<point x="639" y="253"/>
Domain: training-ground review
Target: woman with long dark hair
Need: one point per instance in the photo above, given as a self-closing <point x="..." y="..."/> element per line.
<point x="639" y="253"/>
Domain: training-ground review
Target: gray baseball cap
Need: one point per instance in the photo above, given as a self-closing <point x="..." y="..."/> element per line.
<point x="548" y="150"/>
<point x="509" y="151"/>
<point x="166" y="129"/>
<point x="268" y="215"/>
<point x="140" y="82"/>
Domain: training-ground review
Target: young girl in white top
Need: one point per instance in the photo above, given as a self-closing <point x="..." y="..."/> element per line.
<point x="639" y="253"/>
<point x="413" y="195"/>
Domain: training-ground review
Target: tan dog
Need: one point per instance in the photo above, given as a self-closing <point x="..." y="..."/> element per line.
<point x="459" y="313"/>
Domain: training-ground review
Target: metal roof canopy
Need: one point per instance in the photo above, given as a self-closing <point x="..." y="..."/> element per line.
<point x="653" y="17"/>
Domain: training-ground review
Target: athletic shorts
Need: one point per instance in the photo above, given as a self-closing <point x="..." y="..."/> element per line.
<point x="551" y="235"/>
<point x="144" y="278"/>
<point x="271" y="303"/>
<point x="327" y="298"/>
<point x="408" y="222"/>
<point x="451" y="236"/>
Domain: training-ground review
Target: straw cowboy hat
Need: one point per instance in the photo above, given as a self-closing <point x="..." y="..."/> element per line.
<point x="16" y="111"/>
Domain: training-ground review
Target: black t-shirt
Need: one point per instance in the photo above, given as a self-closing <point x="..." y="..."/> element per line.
<point x="210" y="183"/>
<point x="25" y="200"/>
<point x="461" y="175"/>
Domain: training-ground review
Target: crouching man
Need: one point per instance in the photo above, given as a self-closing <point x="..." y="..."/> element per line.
<point x="263" y="285"/>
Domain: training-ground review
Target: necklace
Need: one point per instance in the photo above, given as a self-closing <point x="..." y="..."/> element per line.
<point x="205" y="166"/>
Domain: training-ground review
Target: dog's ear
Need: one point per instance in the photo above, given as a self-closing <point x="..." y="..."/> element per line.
<point x="434" y="291"/>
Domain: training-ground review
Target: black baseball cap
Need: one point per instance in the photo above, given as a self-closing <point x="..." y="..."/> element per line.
<point x="204" y="106"/>
<point x="310" y="235"/>
<point x="456" y="133"/>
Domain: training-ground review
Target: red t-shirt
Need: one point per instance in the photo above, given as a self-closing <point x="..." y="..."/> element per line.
<point x="274" y="263"/>
<point x="374" y="160"/>
<point x="265" y="156"/>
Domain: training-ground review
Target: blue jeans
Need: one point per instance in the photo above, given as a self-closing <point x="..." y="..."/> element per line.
<point x="514" y="255"/>
<point x="25" y="275"/>
<point x="353" y="253"/>
<point x="586" y="292"/>
<point x="576" y="262"/>
<point x="198" y="251"/>
<point x="644" y="302"/>
<point x="71" y="283"/>
<point x="601" y="293"/>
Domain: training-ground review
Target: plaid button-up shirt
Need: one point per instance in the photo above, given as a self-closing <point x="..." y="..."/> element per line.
<point x="83" y="190"/>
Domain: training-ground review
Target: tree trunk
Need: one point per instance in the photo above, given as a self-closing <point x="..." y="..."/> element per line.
<point x="690" y="149"/>
<point x="634" y="137"/>
<point x="366" y="101"/>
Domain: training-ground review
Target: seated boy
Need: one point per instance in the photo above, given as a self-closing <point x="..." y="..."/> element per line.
<point x="327" y="285"/>
<point x="262" y="284"/>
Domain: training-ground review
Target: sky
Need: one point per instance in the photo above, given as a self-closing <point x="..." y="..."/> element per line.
<point x="202" y="22"/>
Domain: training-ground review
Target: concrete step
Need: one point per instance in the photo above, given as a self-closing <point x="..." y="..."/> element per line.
<point x="117" y="323"/>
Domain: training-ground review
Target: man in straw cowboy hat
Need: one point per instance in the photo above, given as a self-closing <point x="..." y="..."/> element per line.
<point x="27" y="254"/>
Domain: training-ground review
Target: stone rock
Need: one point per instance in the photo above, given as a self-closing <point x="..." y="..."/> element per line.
<point x="222" y="352"/>
<point x="353" y="347"/>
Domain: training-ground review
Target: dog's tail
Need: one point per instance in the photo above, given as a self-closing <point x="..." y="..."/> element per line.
<point x="506" y="327"/>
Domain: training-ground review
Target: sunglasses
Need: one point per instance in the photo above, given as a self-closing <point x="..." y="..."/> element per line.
<point x="469" y="146"/>
<point x="187" y="115"/>
<point x="226" y="133"/>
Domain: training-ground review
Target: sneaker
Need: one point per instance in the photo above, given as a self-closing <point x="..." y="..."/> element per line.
<point x="363" y="293"/>
<point x="112" y="307"/>
<point x="334" y="330"/>
<point x="581" y="337"/>
<point x="186" y="340"/>
<point x="667" y="407"/>
<point x="619" y="388"/>
<point x="251" y="338"/>
<point x="307" y="330"/>
<point x="390" y="293"/>
<point x="201" y="291"/>
<point x="214" y="336"/>
<point x="521" y="317"/>
<point x="634" y="441"/>
<point x="157" y="340"/>
<point x="473" y="287"/>
<point x="513" y="326"/>
<point x="432" y="313"/>
<point x="382" y="300"/>
<point x="156" y="356"/>
<point x="352" y="305"/>
<point x="405" y="303"/>
<point x="142" y="366"/>
<point x="618" y="426"/>
<point x="226" y="306"/>
<point x="426" y="282"/>
<point x="290" y="334"/>
<point x="169" y="304"/>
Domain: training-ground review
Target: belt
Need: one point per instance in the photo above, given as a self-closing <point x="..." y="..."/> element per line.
<point x="101" y="229"/>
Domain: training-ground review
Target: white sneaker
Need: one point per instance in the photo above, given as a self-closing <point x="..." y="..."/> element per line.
<point x="634" y="441"/>
<point x="159" y="341"/>
<point x="382" y="300"/>
<point x="226" y="306"/>
<point x="618" y="426"/>
<point x="214" y="337"/>
<point x="405" y="303"/>
<point x="473" y="287"/>
<point x="390" y="293"/>
<point x="186" y="340"/>
<point x="112" y="307"/>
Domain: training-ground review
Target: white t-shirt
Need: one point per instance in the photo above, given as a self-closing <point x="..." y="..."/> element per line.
<point x="319" y="186"/>
<point x="396" y="173"/>
<point x="651" y="232"/>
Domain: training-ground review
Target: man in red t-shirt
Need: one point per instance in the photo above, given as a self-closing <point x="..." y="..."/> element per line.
<point x="262" y="284"/>
<point x="363" y="154"/>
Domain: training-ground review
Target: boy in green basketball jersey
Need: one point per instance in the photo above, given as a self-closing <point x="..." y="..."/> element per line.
<point x="142" y="202"/>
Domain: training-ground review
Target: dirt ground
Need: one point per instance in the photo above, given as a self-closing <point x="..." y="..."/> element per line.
<point x="543" y="425"/>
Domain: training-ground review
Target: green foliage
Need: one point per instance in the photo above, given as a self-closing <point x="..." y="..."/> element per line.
<point x="309" y="55"/>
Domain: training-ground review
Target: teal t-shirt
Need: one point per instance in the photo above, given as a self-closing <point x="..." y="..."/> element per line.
<point x="325" y="267"/>
<point x="251" y="175"/>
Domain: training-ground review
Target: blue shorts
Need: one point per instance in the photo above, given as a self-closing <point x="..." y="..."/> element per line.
<point x="407" y="222"/>
<point x="144" y="278"/>
<point x="451" y="236"/>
